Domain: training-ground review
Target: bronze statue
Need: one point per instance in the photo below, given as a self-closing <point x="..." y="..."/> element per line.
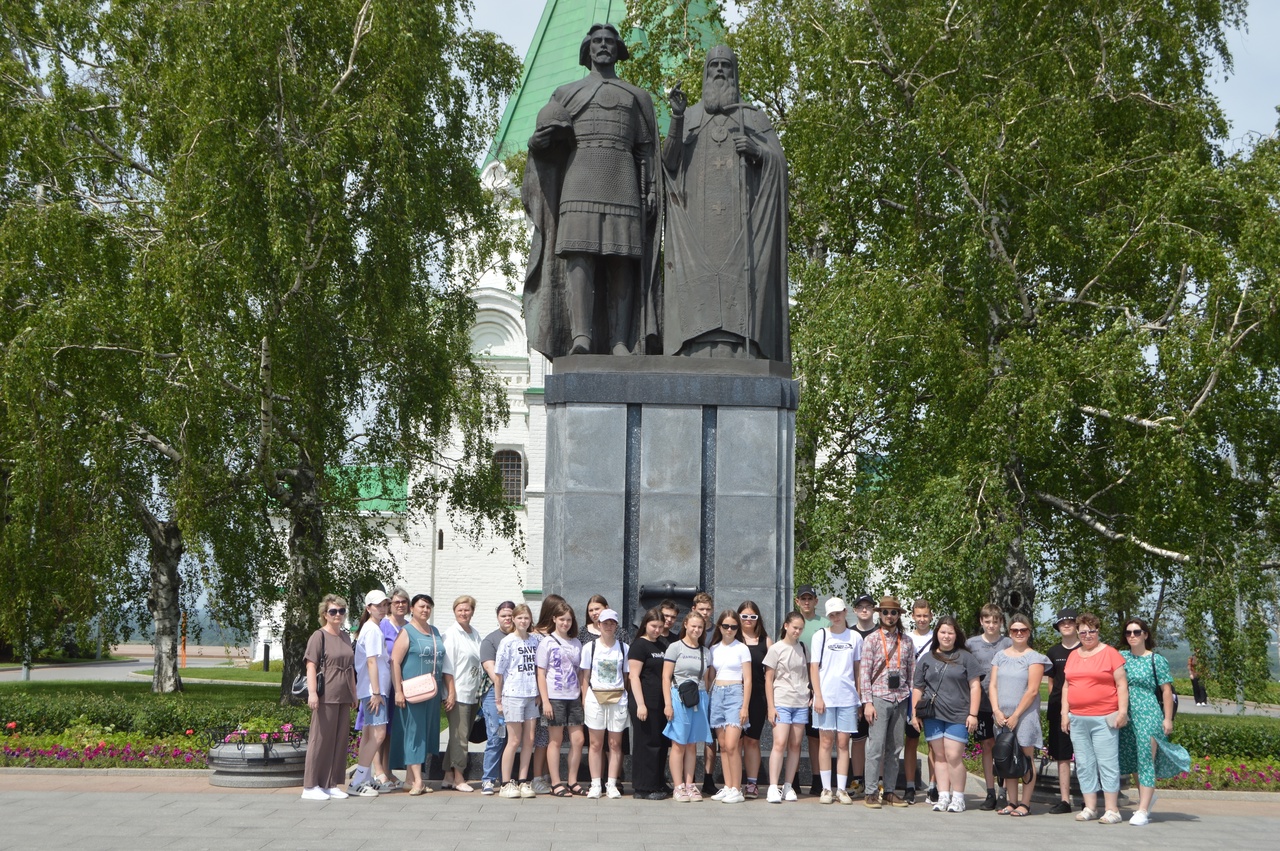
<point x="592" y="189"/>
<point x="725" y="288"/>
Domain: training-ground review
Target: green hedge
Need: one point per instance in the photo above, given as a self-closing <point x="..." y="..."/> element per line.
<point x="1244" y="736"/>
<point x="158" y="715"/>
<point x="1265" y="693"/>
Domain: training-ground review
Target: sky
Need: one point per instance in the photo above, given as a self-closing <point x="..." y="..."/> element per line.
<point x="1248" y="96"/>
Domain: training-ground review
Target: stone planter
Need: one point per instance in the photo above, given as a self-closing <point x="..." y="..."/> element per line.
<point x="247" y="764"/>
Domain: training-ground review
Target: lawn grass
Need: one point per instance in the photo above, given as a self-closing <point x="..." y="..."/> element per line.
<point x="1267" y="693"/>
<point x="226" y="674"/>
<point x="219" y="695"/>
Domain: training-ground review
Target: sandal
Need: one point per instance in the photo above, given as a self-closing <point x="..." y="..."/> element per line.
<point x="561" y="791"/>
<point x="1007" y="811"/>
<point x="1021" y="811"/>
<point x="577" y="789"/>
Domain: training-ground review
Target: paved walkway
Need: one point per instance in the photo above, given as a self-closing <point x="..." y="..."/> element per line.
<point x="180" y="810"/>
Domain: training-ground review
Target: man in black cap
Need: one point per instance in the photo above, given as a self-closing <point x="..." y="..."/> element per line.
<point x="1059" y="742"/>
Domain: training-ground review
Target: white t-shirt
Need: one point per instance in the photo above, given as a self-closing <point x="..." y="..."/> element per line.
<point x="728" y="660"/>
<point x="920" y="642"/>
<point x="834" y="653"/>
<point x="518" y="666"/>
<point x="608" y="665"/>
<point x="370" y="645"/>
<point x="463" y="651"/>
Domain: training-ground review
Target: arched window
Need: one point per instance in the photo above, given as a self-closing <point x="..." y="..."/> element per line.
<point x="511" y="466"/>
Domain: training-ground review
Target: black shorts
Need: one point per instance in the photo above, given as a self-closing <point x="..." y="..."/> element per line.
<point x="1059" y="742"/>
<point x="566" y="713"/>
<point x="864" y="729"/>
<point x="986" y="726"/>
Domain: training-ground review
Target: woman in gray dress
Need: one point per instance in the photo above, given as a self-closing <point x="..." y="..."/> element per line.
<point x="1014" y="688"/>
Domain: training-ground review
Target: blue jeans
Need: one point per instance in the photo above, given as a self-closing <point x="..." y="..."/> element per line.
<point x="496" y="739"/>
<point x="1097" y="747"/>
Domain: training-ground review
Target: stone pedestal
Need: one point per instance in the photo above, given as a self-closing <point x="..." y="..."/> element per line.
<point x="670" y="469"/>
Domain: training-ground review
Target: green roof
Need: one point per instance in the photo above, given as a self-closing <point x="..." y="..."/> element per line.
<point x="551" y="62"/>
<point x="378" y="489"/>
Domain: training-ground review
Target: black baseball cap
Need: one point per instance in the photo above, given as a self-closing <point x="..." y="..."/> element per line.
<point x="1065" y="615"/>
<point x="864" y="598"/>
<point x="805" y="589"/>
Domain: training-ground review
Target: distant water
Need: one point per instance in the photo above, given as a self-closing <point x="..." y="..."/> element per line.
<point x="1177" y="655"/>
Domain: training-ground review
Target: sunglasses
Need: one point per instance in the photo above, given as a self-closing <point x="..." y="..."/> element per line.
<point x="1088" y="632"/>
<point x="733" y="627"/>
<point x="748" y="617"/>
<point x="1134" y="631"/>
<point x="1019" y="631"/>
<point x="337" y="611"/>
<point x="890" y="612"/>
<point x="399" y="602"/>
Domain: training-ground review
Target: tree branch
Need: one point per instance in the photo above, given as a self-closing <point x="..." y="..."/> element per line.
<point x="1078" y="513"/>
<point x="1162" y="422"/>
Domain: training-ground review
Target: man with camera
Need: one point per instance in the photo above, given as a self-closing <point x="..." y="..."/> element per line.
<point x="888" y="665"/>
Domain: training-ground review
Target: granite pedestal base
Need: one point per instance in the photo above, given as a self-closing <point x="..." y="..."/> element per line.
<point x="670" y="470"/>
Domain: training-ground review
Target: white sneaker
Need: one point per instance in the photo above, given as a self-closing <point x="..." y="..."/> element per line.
<point x="1138" y="819"/>
<point x="528" y="790"/>
<point x="774" y="795"/>
<point x="364" y="790"/>
<point x="957" y="803"/>
<point x="336" y="793"/>
<point x="940" y="805"/>
<point x="827" y="797"/>
<point x="788" y="794"/>
<point x="594" y="792"/>
<point x="611" y="791"/>
<point x="735" y="796"/>
<point x="720" y="796"/>
<point x="510" y="790"/>
<point x="315" y="793"/>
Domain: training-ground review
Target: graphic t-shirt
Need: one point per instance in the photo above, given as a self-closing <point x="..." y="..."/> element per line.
<point x="605" y="667"/>
<point x="559" y="657"/>
<point x="517" y="664"/>
<point x="689" y="662"/>
<point x="834" y="653"/>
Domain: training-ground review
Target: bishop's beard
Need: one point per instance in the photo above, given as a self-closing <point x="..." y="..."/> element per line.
<point x="718" y="94"/>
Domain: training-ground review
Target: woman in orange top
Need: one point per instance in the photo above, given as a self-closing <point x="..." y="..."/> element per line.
<point x="1095" y="705"/>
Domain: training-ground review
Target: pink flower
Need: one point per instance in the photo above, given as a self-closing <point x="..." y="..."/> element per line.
<point x="1208" y="785"/>
<point x="189" y="732"/>
<point x="12" y="725"/>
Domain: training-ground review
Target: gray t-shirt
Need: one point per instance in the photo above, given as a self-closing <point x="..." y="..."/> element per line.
<point x="949" y="681"/>
<point x="985" y="653"/>
<point x="690" y="662"/>
<point x="489" y="646"/>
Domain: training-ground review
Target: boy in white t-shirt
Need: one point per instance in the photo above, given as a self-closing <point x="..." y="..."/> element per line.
<point x="921" y="634"/>
<point x="835" y="662"/>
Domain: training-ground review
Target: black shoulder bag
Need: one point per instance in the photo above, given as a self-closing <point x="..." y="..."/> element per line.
<point x="689" y="688"/>
<point x="299" y="687"/>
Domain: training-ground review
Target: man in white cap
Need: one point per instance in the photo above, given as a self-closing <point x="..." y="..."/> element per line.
<point x="834" y="665"/>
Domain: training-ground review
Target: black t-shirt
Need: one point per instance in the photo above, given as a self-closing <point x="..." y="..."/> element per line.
<point x="1058" y="656"/>
<point x="650" y="655"/>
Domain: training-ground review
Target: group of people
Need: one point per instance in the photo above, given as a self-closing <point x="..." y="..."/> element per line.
<point x="862" y="689"/>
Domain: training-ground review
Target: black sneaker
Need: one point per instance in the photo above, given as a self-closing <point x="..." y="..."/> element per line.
<point x="1002" y="799"/>
<point x="910" y="795"/>
<point x="709" y="787"/>
<point x="990" y="802"/>
<point x="932" y="795"/>
<point x="1060" y="808"/>
<point x="816" y="789"/>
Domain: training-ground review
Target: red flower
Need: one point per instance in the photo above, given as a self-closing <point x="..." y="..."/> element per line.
<point x="189" y="732"/>
<point x="12" y="725"/>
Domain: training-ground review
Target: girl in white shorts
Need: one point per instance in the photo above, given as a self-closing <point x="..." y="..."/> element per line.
<point x="604" y="701"/>
<point x="515" y="684"/>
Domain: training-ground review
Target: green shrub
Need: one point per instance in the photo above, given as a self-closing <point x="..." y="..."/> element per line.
<point x="1265" y="693"/>
<point x="1245" y="736"/>
<point x="152" y="716"/>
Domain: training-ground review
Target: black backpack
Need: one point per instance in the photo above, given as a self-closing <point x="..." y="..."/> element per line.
<point x="1010" y="762"/>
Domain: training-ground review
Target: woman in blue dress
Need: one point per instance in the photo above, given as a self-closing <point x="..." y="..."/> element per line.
<point x="419" y="649"/>
<point x="1144" y="743"/>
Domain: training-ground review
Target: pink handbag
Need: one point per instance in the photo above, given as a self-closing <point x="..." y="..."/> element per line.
<point x="419" y="688"/>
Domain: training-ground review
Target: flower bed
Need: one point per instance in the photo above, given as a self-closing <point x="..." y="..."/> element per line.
<point x="112" y="750"/>
<point x="1227" y="774"/>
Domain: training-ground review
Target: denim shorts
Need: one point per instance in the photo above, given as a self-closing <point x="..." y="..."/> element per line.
<point x="842" y="719"/>
<point x="936" y="728"/>
<point x="380" y="718"/>
<point x="518" y="709"/>
<point x="565" y="712"/>
<point x="793" y="714"/>
<point x="726" y="706"/>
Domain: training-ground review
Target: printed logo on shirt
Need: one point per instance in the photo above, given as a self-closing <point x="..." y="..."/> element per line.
<point x="527" y="663"/>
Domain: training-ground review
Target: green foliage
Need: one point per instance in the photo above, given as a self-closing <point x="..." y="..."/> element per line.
<point x="1244" y="736"/>
<point x="1037" y="309"/>
<point x="1268" y="692"/>
<point x="237" y="244"/>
